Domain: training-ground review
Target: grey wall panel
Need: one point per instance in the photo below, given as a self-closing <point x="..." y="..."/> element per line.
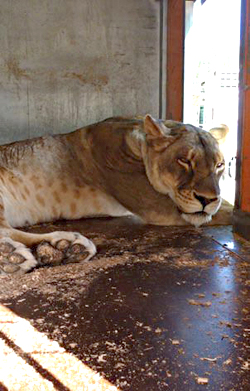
<point x="68" y="63"/>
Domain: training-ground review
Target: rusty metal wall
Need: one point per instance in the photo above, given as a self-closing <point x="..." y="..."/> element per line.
<point x="68" y="63"/>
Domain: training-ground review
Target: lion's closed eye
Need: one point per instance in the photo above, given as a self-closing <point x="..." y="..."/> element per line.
<point x="184" y="162"/>
<point x="220" y="165"/>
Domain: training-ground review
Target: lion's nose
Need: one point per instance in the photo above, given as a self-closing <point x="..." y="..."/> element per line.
<point x="204" y="200"/>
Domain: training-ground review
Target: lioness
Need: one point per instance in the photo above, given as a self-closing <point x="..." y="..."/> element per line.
<point x="165" y="172"/>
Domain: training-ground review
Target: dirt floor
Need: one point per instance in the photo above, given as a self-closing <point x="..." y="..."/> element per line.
<point x="158" y="308"/>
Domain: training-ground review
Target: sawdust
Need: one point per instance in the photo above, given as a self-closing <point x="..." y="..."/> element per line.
<point x="118" y="243"/>
<point x="82" y="275"/>
<point x="43" y="279"/>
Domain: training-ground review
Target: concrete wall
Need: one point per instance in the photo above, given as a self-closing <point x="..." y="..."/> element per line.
<point x="68" y="63"/>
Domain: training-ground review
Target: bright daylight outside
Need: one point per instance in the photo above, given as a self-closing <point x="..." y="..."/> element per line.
<point x="211" y="74"/>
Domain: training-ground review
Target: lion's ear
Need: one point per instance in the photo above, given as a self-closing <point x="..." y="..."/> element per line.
<point x="157" y="134"/>
<point x="220" y="133"/>
<point x="152" y="128"/>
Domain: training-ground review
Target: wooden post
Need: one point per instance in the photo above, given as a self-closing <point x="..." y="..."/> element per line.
<point x="242" y="203"/>
<point x="175" y="59"/>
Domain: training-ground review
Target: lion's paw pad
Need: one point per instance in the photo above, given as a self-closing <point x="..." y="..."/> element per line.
<point x="15" y="258"/>
<point x="65" y="247"/>
<point x="48" y="255"/>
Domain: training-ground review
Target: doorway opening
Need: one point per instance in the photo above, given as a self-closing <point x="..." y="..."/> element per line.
<point x="211" y="75"/>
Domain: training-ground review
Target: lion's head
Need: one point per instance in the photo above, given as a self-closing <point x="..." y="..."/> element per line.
<point x="184" y="162"/>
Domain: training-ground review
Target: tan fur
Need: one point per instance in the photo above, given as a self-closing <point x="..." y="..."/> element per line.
<point x="113" y="168"/>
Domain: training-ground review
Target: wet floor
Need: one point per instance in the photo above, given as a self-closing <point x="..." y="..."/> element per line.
<point x="162" y="308"/>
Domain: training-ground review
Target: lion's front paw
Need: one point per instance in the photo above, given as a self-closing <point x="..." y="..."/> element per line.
<point x="15" y="258"/>
<point x="65" y="247"/>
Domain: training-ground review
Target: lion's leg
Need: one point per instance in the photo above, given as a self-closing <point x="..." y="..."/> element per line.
<point x="14" y="256"/>
<point x="52" y="248"/>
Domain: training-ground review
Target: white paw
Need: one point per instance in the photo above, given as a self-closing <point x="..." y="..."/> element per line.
<point x="15" y="258"/>
<point x="65" y="247"/>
